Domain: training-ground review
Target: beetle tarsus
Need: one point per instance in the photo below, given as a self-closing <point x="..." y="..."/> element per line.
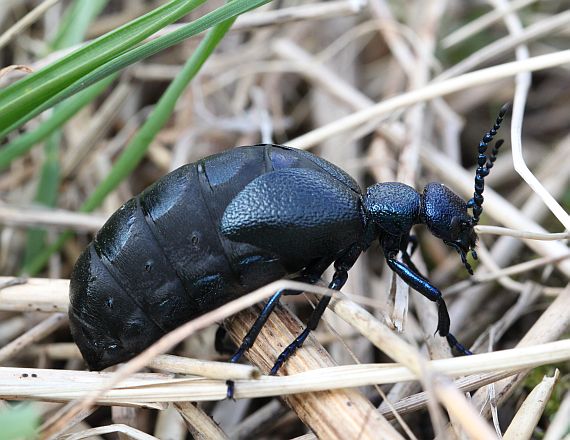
<point x="230" y="391"/>
<point x="454" y="343"/>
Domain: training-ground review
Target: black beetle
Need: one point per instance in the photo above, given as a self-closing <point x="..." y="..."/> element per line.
<point x="232" y="222"/>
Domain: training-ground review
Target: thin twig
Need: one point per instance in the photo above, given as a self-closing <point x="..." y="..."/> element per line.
<point x="497" y="230"/>
<point x="431" y="91"/>
<point x="26" y="21"/>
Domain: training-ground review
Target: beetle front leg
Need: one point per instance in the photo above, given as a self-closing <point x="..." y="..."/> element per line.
<point x="423" y="286"/>
<point x="413" y="243"/>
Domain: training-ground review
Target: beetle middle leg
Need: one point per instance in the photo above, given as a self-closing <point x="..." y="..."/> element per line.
<point x="342" y="266"/>
<point x="311" y="275"/>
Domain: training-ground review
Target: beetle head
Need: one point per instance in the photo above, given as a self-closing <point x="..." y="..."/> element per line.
<point x="445" y="214"/>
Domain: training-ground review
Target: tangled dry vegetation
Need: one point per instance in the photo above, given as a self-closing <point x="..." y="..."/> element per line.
<point x="386" y="90"/>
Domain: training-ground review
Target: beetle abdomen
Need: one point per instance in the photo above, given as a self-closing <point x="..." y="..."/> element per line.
<point x="105" y="323"/>
<point x="127" y="274"/>
<point x="161" y="259"/>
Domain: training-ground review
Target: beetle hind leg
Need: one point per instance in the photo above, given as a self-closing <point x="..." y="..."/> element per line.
<point x="251" y="336"/>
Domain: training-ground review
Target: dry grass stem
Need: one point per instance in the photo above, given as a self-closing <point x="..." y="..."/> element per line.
<point x="528" y="415"/>
<point x="255" y="423"/>
<point x="462" y="412"/>
<point x="559" y="426"/>
<point x="118" y="428"/>
<point x="35" y="294"/>
<point x="58" y="218"/>
<point x="199" y="424"/>
<point x="209" y="369"/>
<point x="517" y="268"/>
<point x="549" y="26"/>
<point x="59" y="350"/>
<point x="73" y="424"/>
<point x="317" y="11"/>
<point x="36" y="333"/>
<point x="497" y="230"/>
<point x="96" y="128"/>
<point x="503" y="276"/>
<point x="147" y="388"/>
<point x="480" y="23"/>
<point x="430" y="91"/>
<point x="26" y="21"/>
<point x="170" y="424"/>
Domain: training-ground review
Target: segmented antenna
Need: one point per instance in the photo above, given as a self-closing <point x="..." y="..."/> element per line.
<point x="485" y="164"/>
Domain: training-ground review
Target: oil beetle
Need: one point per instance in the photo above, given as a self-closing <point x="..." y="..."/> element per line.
<point x="223" y="226"/>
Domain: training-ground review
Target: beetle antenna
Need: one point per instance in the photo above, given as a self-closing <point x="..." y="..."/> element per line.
<point x="484" y="164"/>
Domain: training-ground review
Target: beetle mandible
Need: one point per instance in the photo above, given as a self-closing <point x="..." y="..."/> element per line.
<point x="230" y="223"/>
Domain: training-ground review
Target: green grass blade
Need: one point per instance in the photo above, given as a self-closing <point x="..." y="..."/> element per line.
<point x="78" y="17"/>
<point x="46" y="193"/>
<point x="137" y="148"/>
<point x="60" y="116"/>
<point x="22" y="97"/>
<point x="19" y="422"/>
<point x="225" y="12"/>
<point x="72" y="31"/>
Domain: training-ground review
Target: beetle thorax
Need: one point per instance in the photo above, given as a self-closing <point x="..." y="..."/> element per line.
<point x="392" y="207"/>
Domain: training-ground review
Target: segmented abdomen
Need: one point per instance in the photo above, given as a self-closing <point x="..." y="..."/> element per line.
<point x="160" y="260"/>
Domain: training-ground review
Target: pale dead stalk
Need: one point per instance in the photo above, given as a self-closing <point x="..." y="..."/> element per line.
<point x="35" y="294"/>
<point x="118" y="428"/>
<point x="462" y="411"/>
<point x="36" y="333"/>
<point x="26" y="21"/>
<point x="431" y="91"/>
<point x="199" y="424"/>
<point x="547" y="27"/>
<point x="57" y="218"/>
<point x="522" y="86"/>
<point x="529" y="235"/>
<point x="209" y="369"/>
<point x="481" y="23"/>
<point x="525" y="420"/>
<point x="148" y="388"/>
<point x="559" y="425"/>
